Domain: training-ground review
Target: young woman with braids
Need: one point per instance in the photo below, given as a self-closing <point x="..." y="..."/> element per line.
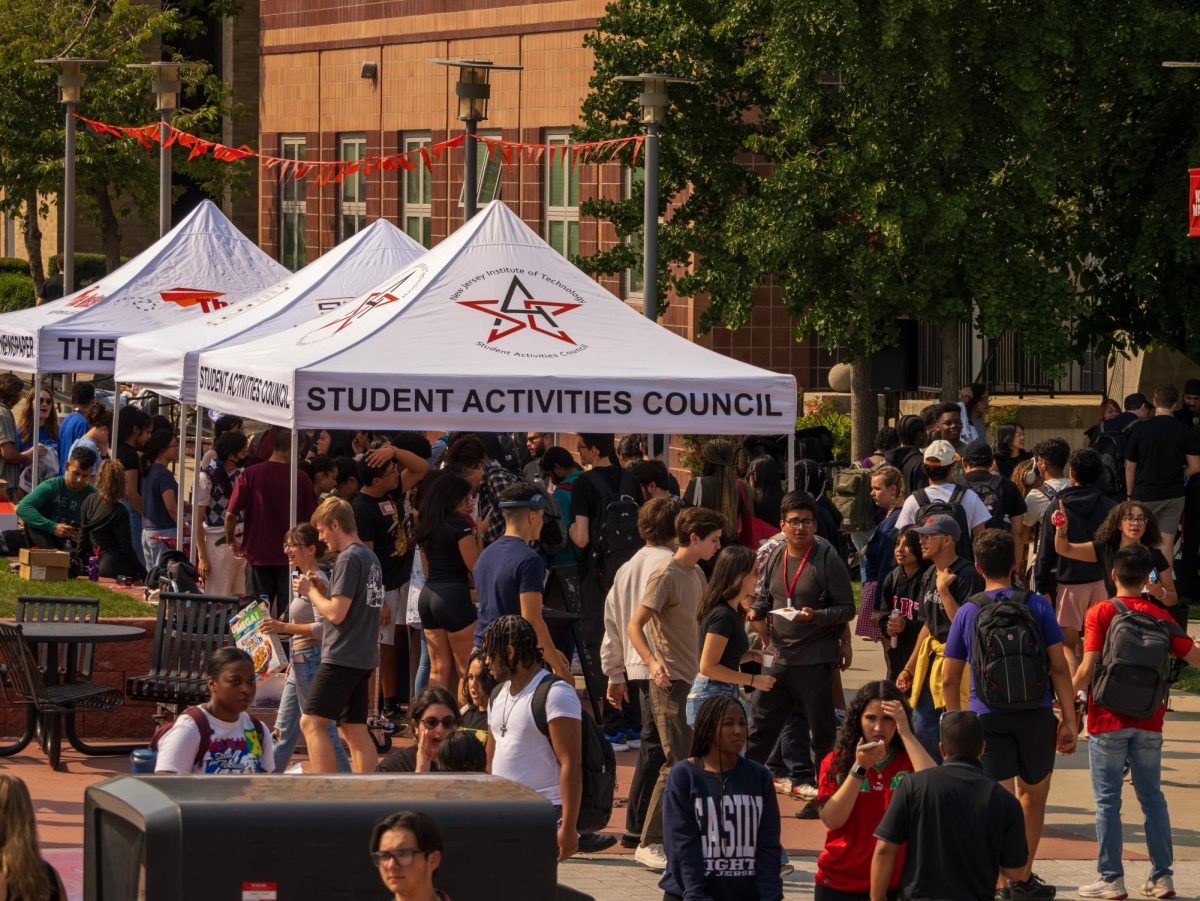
<point x="876" y="748"/>
<point x="720" y="815"/>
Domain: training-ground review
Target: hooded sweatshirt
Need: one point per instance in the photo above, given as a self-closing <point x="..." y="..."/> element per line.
<point x="1086" y="508"/>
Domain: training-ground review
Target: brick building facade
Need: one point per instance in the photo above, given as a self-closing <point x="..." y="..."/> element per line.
<point x="317" y="104"/>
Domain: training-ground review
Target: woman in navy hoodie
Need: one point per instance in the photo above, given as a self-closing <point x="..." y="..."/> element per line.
<point x="720" y="816"/>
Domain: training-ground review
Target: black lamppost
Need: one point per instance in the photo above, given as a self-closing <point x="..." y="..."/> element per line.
<point x="473" y="90"/>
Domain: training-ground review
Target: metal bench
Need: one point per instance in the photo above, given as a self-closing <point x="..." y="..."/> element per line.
<point x="62" y="610"/>
<point x="52" y="702"/>
<point x="189" y="628"/>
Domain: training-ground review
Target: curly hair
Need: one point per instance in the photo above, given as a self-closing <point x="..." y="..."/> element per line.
<point x="1021" y="471"/>
<point x="1109" y="531"/>
<point x="851" y="732"/>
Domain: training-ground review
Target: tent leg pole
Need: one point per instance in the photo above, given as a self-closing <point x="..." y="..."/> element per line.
<point x="197" y="533"/>
<point x="36" y="400"/>
<point x="179" y="478"/>
<point x="292" y="466"/>
<point x="791" y="473"/>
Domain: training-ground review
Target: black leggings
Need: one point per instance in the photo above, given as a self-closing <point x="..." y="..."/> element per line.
<point x="446" y="605"/>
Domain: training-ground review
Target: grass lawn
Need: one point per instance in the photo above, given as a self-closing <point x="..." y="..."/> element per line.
<point x="1189" y="680"/>
<point x="112" y="603"/>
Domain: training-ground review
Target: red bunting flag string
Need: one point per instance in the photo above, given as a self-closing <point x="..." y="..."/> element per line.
<point x="325" y="172"/>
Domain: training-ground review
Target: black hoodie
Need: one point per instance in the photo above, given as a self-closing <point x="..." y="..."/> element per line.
<point x="1086" y="508"/>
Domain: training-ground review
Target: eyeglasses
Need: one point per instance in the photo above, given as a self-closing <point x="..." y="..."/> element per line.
<point x="401" y="857"/>
<point x="1134" y="518"/>
<point x="799" y="523"/>
<point x="446" y="722"/>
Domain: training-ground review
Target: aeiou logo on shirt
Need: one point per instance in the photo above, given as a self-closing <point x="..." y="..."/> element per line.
<point x="729" y="840"/>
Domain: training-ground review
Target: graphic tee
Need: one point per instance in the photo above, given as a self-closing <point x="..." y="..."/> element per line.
<point x="354" y="642"/>
<point x="233" y="750"/>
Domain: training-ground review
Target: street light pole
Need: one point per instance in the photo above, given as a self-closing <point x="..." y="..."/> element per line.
<point x="470" y="172"/>
<point x="165" y="88"/>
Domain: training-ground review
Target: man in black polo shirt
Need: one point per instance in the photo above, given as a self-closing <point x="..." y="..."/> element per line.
<point x="961" y="828"/>
<point x="944" y="588"/>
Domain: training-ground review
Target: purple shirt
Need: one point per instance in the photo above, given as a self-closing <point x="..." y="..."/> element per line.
<point x="958" y="643"/>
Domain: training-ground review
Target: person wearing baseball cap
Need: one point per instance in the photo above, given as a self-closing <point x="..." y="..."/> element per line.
<point x="509" y="574"/>
<point x="945" y="587"/>
<point x="940" y="459"/>
<point x="1189" y="413"/>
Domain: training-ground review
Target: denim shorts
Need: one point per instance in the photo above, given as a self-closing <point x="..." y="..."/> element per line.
<point x="704" y="688"/>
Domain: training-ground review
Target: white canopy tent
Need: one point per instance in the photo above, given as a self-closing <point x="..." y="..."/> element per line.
<point x="202" y="265"/>
<point x="165" y="360"/>
<point x="493" y="329"/>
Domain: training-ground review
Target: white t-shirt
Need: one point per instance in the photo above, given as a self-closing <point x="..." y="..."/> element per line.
<point x="976" y="512"/>
<point x="522" y="753"/>
<point x="1036" y="501"/>
<point x="233" y="749"/>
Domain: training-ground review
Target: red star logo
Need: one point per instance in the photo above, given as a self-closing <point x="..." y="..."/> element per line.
<point x="513" y="313"/>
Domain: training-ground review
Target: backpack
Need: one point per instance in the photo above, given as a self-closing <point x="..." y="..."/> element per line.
<point x="553" y="537"/>
<point x="992" y="494"/>
<point x="1111" y="448"/>
<point x="1136" y="665"/>
<point x="851" y="494"/>
<point x="174" y="573"/>
<point x="598" y="762"/>
<point x="952" y="506"/>
<point x="197" y="716"/>
<point x="1009" y="665"/>
<point x="612" y="534"/>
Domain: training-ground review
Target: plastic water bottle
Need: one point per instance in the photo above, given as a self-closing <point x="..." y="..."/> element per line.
<point x="142" y="761"/>
<point x="895" y="614"/>
<point x="94" y="568"/>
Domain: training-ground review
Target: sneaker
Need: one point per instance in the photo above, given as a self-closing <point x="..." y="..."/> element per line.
<point x="786" y="870"/>
<point x="630" y="841"/>
<point x="381" y="724"/>
<point x="1003" y="894"/>
<point x="1162" y="887"/>
<point x="783" y="786"/>
<point x="808" y="812"/>
<point x="595" y="842"/>
<point x="1035" y="888"/>
<point x="652" y="857"/>
<point x="633" y="740"/>
<point x="1104" y="888"/>
<point x="617" y="741"/>
<point x="804" y="792"/>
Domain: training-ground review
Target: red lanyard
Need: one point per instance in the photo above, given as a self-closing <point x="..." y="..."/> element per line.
<point x="799" y="569"/>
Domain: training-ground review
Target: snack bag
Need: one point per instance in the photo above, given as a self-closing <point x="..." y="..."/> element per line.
<point x="265" y="650"/>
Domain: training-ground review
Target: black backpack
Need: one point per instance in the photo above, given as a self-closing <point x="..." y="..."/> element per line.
<point x="1136" y="666"/>
<point x="174" y="573"/>
<point x="1009" y="664"/>
<point x="991" y="492"/>
<point x="598" y="763"/>
<point x="952" y="506"/>
<point x="1111" y="448"/>
<point x="612" y="532"/>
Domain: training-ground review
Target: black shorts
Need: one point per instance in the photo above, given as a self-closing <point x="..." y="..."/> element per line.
<point x="1020" y="743"/>
<point x="340" y="693"/>
<point x="446" y="605"/>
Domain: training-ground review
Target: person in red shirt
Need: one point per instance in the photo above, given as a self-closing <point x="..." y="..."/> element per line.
<point x="1117" y="738"/>
<point x="876" y="748"/>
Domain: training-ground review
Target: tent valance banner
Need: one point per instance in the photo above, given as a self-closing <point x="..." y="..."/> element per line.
<point x="201" y="266"/>
<point x="493" y="329"/>
<point x="165" y="360"/>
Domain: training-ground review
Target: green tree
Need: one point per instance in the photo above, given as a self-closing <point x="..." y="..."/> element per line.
<point x="113" y="178"/>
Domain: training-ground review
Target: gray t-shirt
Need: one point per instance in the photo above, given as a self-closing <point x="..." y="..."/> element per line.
<point x="10" y="472"/>
<point x="354" y="642"/>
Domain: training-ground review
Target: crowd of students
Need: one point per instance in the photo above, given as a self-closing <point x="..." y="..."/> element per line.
<point x="424" y="587"/>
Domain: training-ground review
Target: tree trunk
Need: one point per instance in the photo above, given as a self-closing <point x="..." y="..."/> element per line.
<point x="951" y="367"/>
<point x="110" y="228"/>
<point x="33" y="244"/>
<point x="864" y="413"/>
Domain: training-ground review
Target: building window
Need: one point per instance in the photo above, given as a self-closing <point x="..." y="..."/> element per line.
<point x="292" y="202"/>
<point x="417" y="190"/>
<point x="635" y="277"/>
<point x="562" y="197"/>
<point x="487" y="174"/>
<point x="352" y="202"/>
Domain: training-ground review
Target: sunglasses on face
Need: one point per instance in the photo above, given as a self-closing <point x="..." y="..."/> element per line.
<point x="446" y="722"/>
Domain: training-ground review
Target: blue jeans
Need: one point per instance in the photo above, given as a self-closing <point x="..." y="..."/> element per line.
<point x="152" y="548"/>
<point x="926" y="723"/>
<point x="1107" y="753"/>
<point x="704" y="688"/>
<point x="135" y="531"/>
<point x="422" y="680"/>
<point x="295" y="692"/>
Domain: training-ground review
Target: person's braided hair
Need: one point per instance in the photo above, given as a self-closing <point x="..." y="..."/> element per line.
<point x="851" y="733"/>
<point x="708" y="722"/>
<point x="512" y="641"/>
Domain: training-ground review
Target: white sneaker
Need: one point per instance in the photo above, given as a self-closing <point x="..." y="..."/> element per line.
<point x="1162" y="887"/>
<point x="1103" y="888"/>
<point x="652" y="857"/>
<point x="804" y="792"/>
<point x="783" y="786"/>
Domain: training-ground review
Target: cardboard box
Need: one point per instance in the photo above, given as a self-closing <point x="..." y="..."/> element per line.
<point x="40" y="565"/>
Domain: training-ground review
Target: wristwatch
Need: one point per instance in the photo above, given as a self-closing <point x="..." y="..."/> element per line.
<point x="858" y="771"/>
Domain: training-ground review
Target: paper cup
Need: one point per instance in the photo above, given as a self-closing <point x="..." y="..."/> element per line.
<point x="768" y="660"/>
